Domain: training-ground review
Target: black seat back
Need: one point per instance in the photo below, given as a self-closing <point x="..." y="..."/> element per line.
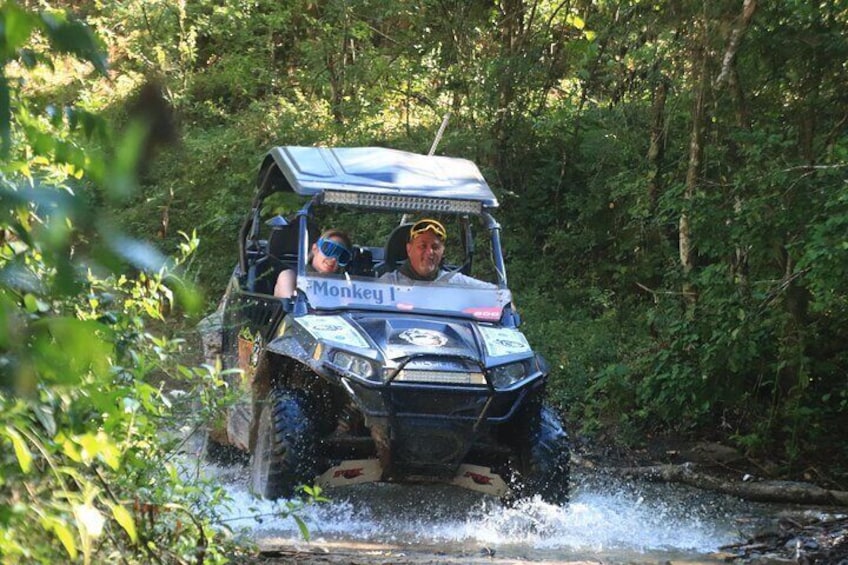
<point x="282" y="242"/>
<point x="395" y="250"/>
<point x="362" y="263"/>
<point x="280" y="254"/>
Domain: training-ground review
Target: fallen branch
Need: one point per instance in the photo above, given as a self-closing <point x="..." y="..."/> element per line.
<point x="758" y="491"/>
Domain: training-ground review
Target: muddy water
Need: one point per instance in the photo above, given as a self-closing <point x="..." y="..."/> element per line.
<point x="607" y="520"/>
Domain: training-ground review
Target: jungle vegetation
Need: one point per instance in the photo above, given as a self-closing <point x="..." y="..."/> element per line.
<point x="674" y="191"/>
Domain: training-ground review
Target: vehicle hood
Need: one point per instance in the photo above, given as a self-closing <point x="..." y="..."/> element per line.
<point x="400" y="337"/>
<point x="395" y="338"/>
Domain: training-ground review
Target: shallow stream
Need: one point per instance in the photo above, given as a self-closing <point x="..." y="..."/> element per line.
<point x="609" y="521"/>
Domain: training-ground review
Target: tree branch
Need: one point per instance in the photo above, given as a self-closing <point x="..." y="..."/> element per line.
<point x="748" y="9"/>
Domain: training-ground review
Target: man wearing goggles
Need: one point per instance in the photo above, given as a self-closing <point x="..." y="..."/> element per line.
<point x="328" y="255"/>
<point x="425" y="251"/>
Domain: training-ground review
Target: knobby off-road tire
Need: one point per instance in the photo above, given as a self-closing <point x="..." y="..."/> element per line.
<point x="284" y="454"/>
<point x="545" y="460"/>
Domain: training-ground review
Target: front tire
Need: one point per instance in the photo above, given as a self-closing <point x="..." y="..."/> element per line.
<point x="284" y="454"/>
<point x="544" y="466"/>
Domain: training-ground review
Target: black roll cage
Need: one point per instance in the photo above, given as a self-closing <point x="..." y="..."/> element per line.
<point x="271" y="180"/>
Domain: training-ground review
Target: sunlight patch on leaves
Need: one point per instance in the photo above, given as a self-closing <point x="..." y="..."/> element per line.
<point x="22" y="452"/>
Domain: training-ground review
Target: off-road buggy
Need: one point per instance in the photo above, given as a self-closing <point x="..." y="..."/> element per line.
<point x="356" y="379"/>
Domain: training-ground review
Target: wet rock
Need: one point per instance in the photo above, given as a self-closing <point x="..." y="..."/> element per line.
<point x="211" y="335"/>
<point x="771" y="560"/>
<point x="813" y="542"/>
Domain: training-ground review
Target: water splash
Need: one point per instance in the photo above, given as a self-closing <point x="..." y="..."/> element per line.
<point x="602" y="518"/>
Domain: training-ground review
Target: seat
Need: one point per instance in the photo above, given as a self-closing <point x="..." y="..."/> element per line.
<point x="395" y="250"/>
<point x="282" y="242"/>
<point x="362" y="263"/>
<point x="280" y="253"/>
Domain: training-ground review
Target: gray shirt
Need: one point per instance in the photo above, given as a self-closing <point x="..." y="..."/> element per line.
<point x="444" y="277"/>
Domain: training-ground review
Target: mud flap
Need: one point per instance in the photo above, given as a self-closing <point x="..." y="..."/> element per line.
<point x="351" y="472"/>
<point x="480" y="479"/>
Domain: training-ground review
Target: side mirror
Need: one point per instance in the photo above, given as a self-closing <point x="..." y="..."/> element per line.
<point x="510" y="318"/>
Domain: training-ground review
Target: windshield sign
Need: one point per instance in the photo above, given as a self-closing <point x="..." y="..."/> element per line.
<point x="333" y="292"/>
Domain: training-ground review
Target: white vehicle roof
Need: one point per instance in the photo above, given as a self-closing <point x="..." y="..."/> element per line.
<point x="363" y="171"/>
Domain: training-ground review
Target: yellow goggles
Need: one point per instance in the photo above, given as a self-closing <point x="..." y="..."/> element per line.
<point x="421" y="226"/>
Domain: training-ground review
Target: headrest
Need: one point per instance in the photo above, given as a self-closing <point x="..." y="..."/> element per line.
<point x="396" y="246"/>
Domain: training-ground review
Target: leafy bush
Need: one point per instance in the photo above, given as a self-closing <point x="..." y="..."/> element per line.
<point x="91" y="466"/>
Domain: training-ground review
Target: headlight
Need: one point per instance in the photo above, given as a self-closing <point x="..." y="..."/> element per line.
<point x="507" y="375"/>
<point x="353" y="364"/>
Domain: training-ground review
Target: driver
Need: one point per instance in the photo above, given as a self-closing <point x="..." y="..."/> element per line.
<point x="329" y="254"/>
<point x="425" y="251"/>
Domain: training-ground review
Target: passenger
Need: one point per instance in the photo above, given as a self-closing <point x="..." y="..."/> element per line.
<point x="329" y="254"/>
<point x="425" y="251"/>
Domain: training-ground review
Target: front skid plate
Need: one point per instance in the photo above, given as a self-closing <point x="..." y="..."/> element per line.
<point x="352" y="472"/>
<point x="357" y="471"/>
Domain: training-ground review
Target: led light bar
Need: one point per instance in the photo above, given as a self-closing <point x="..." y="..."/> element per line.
<point x="441" y="377"/>
<point x="405" y="203"/>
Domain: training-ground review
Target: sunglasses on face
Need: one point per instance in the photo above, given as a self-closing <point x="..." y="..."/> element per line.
<point x="424" y="225"/>
<point x="334" y="250"/>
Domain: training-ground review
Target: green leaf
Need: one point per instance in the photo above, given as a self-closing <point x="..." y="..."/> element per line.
<point x="5" y="116"/>
<point x="125" y="519"/>
<point x="94" y="445"/>
<point x="70" y="449"/>
<point x="576" y="21"/>
<point x="45" y="416"/>
<point x="66" y="537"/>
<point x="72" y="349"/>
<point x="21" y="450"/>
<point x="122" y="181"/>
<point x="304" y="531"/>
<point x="73" y="36"/>
<point x="30" y="303"/>
<point x="17" y="27"/>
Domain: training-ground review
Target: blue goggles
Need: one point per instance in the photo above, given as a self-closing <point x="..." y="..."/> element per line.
<point x="334" y="250"/>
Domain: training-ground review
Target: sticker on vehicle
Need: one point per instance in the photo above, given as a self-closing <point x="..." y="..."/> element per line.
<point x="504" y="341"/>
<point x="332" y="328"/>
<point x="424" y="338"/>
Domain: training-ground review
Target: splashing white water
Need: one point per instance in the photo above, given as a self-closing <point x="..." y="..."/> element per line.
<point x="600" y="519"/>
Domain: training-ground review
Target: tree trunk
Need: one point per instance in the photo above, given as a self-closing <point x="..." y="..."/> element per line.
<point x="739" y="261"/>
<point x="728" y="64"/>
<point x="656" y="149"/>
<point x="696" y="152"/>
<point x="760" y="491"/>
<point x="512" y="22"/>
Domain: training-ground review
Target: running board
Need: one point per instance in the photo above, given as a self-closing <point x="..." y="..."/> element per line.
<point x="358" y="471"/>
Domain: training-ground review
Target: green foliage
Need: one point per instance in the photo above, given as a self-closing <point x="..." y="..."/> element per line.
<point x="84" y="418"/>
<point x="92" y="466"/>
<point x="558" y="105"/>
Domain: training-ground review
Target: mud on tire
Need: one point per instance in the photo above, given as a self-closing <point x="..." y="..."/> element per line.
<point x="544" y="465"/>
<point x="284" y="454"/>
